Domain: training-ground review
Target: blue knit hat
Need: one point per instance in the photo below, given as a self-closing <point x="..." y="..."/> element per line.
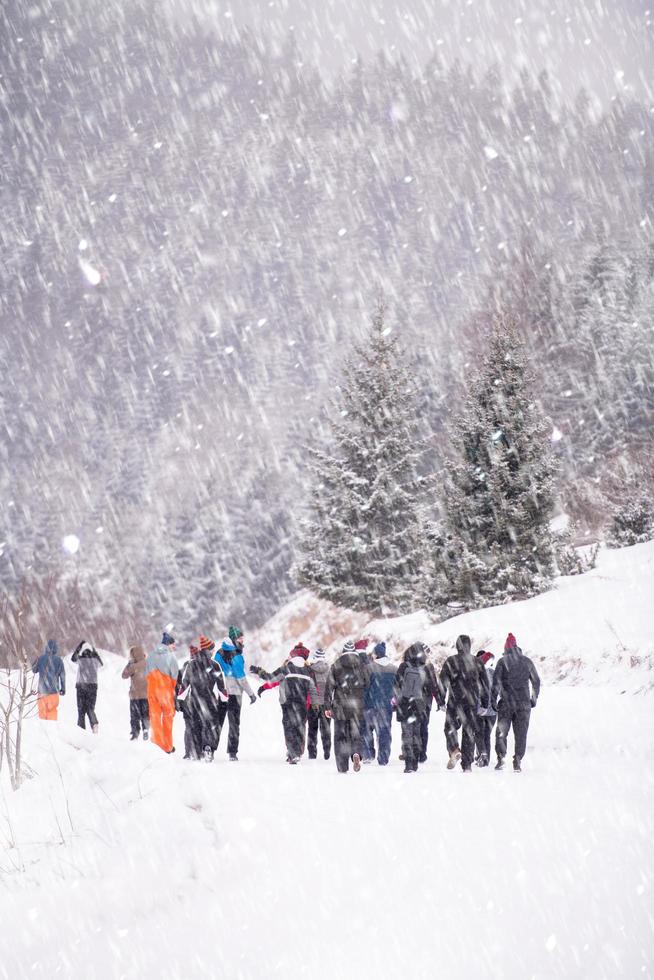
<point x="380" y="650"/>
<point x="167" y="640"/>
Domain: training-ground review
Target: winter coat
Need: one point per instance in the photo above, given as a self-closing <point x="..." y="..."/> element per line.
<point x="88" y="660"/>
<point x="201" y="683"/>
<point x="464" y="678"/>
<point x="135" y="670"/>
<point x="232" y="664"/>
<point x="50" y="668"/>
<point x="513" y="675"/>
<point x="164" y="660"/>
<point x="296" y="678"/>
<point x="413" y="706"/>
<point x="346" y="687"/>
<point x="485" y="709"/>
<point x="380" y="689"/>
<point x="319" y="672"/>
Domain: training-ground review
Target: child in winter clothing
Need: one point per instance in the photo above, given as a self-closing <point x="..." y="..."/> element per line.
<point x="230" y="660"/>
<point x="464" y="679"/>
<point x="200" y="688"/>
<point x="378" y="708"/>
<point x="88" y="660"/>
<point x="409" y="698"/>
<point x="161" y="671"/>
<point x="139" y="714"/>
<point x="52" y="681"/>
<point x="299" y="688"/>
<point x="486" y="716"/>
<point x="317" y="718"/>
<point x="511" y="685"/>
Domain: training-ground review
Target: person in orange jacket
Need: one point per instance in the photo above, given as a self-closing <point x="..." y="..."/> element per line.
<point x="161" y="672"/>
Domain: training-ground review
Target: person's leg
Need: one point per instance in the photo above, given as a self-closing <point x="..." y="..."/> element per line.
<point x="81" y="707"/>
<point x="234" y="717"/>
<point x="356" y="740"/>
<point x="42" y="705"/>
<point x="424" y="733"/>
<point x="91" y="698"/>
<point x="520" y="728"/>
<point x="53" y="708"/>
<point x="490" y="723"/>
<point x="384" y="721"/>
<point x="469" y="725"/>
<point x="168" y="716"/>
<point x="154" y="711"/>
<point x="325" y="733"/>
<point x="503" y="725"/>
<point x="367" y="735"/>
<point x="134" y="717"/>
<point x="341" y="745"/>
<point x="144" y="715"/>
<point x="221" y="714"/>
<point x="452" y="725"/>
<point x="312" y="742"/>
<point x="299" y="720"/>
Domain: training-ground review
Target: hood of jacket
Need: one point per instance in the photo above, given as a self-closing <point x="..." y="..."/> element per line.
<point x="463" y="644"/>
<point x="414" y="655"/>
<point x="51" y="648"/>
<point x="384" y="662"/>
<point x="137" y="653"/>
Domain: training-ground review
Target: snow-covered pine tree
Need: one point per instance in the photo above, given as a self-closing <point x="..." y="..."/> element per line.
<point x="361" y="546"/>
<point x="499" y="490"/>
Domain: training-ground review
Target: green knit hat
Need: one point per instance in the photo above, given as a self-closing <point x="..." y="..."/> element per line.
<point x="234" y="633"/>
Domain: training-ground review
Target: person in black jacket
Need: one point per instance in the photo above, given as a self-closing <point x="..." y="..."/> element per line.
<point x="345" y="691"/>
<point x="412" y="691"/>
<point x="486" y="716"/>
<point x="464" y="679"/>
<point x="200" y="688"/>
<point x="432" y="692"/>
<point x="513" y="700"/>
<point x="298" y="688"/>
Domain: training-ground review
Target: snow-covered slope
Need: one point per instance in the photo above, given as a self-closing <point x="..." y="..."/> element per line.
<point x="119" y="862"/>
<point x="597" y="625"/>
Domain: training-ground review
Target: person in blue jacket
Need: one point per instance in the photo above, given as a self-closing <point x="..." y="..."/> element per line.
<point x="230" y="658"/>
<point x="52" y="681"/>
<point x="377" y="706"/>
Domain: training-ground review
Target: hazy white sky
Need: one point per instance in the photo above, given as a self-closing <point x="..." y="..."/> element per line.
<point x="602" y="44"/>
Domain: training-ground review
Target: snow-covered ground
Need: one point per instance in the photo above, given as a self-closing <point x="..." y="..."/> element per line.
<point x="121" y="862"/>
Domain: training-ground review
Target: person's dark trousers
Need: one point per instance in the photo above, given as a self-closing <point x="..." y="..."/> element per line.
<point x="200" y="729"/>
<point x="347" y="742"/>
<point x="412" y="741"/>
<point x="424" y="732"/>
<point x="484" y="729"/>
<point x="465" y="717"/>
<point x="519" y="718"/>
<point x="139" y="715"/>
<point x="317" y="720"/>
<point x="379" y="722"/>
<point x="368" y="734"/>
<point x="294" y="719"/>
<point x="86" y="698"/>
<point x="230" y="709"/>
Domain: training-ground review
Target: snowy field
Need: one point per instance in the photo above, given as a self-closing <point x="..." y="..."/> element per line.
<point x="120" y="862"/>
<point x="128" y="863"/>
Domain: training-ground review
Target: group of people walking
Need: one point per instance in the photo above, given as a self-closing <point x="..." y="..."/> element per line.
<point x="353" y="699"/>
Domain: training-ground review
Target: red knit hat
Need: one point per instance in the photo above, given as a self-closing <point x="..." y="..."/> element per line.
<point x="511" y="642"/>
<point x="207" y="644"/>
<point x="299" y="650"/>
<point x="362" y="644"/>
<point x="485" y="656"/>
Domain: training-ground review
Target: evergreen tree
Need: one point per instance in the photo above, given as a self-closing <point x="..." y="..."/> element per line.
<point x="500" y="484"/>
<point x="361" y="546"/>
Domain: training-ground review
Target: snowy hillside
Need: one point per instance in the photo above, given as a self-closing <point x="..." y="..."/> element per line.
<point x="121" y="863"/>
<point x="595" y="626"/>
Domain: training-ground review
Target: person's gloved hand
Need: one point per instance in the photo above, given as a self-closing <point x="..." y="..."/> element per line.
<point x="328" y="713"/>
<point x="393" y="702"/>
<point x="253" y="699"/>
<point x="261" y="689"/>
<point x="254" y="669"/>
<point x="533" y="702"/>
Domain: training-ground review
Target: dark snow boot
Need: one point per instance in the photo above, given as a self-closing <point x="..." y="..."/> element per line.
<point x="455" y="755"/>
<point x="500" y="762"/>
<point x="356" y="761"/>
<point x="482" y="761"/>
<point x="326" y="755"/>
<point x="408" y="767"/>
<point x="133" y="737"/>
<point x="466" y="768"/>
<point x="145" y="736"/>
<point x="516" y="764"/>
<point x="207" y="754"/>
<point x="233" y="757"/>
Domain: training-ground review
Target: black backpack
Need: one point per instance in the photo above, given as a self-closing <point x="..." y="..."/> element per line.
<point x="350" y="677"/>
<point x="413" y="683"/>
